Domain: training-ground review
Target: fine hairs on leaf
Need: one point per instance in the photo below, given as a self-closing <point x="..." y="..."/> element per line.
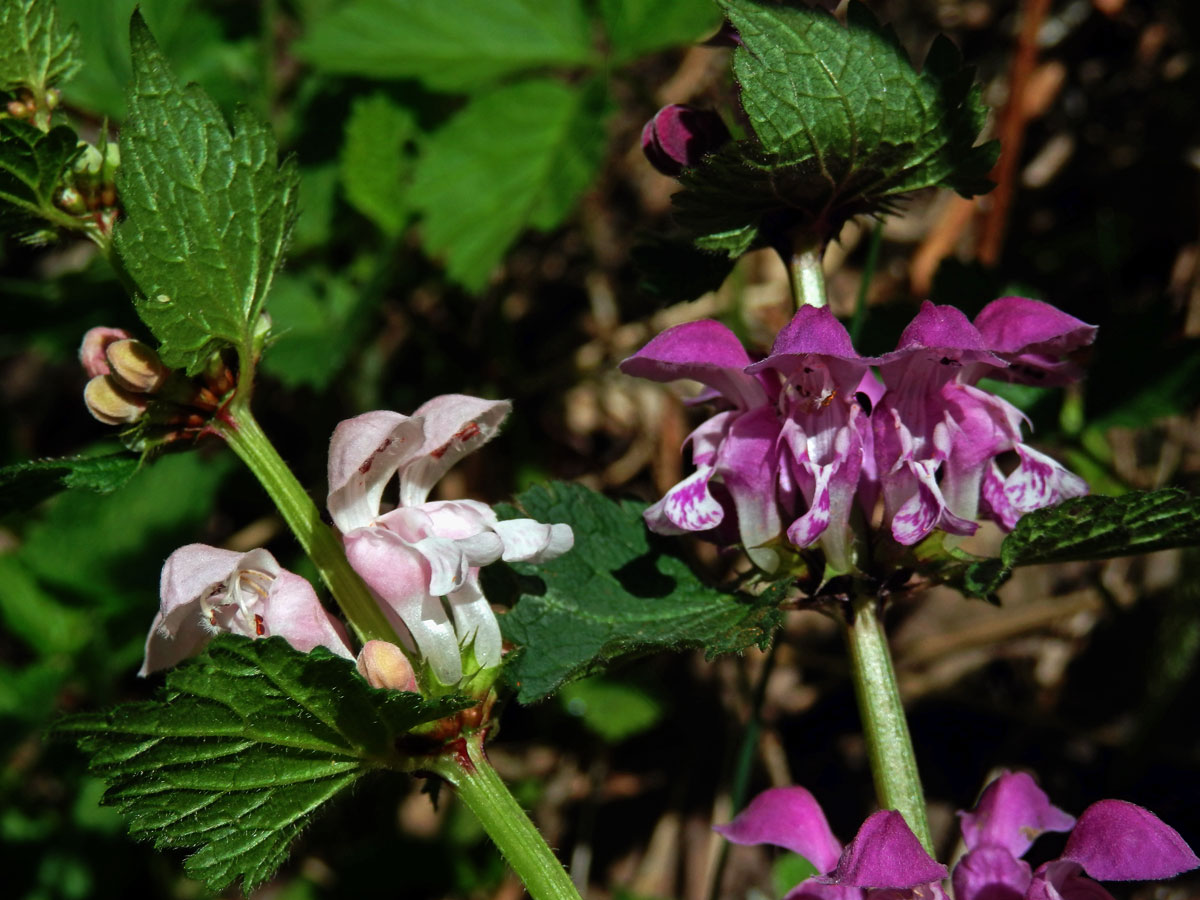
<point x="843" y="125"/>
<point x="207" y="213"/>
<point x="36" y="50"/>
<point x="244" y="744"/>
<point x="1091" y="528"/>
<point x="25" y="484"/>
<point x="617" y="593"/>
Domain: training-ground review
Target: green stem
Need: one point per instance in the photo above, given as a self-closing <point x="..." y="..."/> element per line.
<point x="510" y="829"/>
<point x="889" y="745"/>
<point x="806" y="276"/>
<point x="243" y="434"/>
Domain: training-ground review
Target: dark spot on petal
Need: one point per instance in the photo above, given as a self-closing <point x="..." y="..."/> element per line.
<point x="366" y="466"/>
<point x="864" y="401"/>
<point x="259" y="628"/>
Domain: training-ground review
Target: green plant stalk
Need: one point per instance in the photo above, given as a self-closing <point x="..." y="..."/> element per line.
<point x="889" y="745"/>
<point x="510" y="829"/>
<point x="242" y="432"/>
<point x="806" y="276"/>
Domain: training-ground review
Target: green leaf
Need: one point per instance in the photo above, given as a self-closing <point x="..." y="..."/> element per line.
<point x="788" y="870"/>
<point x="515" y="157"/>
<point x="32" y="162"/>
<point x="207" y="212"/>
<point x="638" y="27"/>
<point x="674" y="271"/>
<point x="377" y="160"/>
<point x="616" y="593"/>
<point x="245" y="742"/>
<point x="843" y="125"/>
<point x="311" y="340"/>
<point x="477" y="43"/>
<point x="36" y="51"/>
<point x="613" y="710"/>
<point x="1092" y="528"/>
<point x="25" y="484"/>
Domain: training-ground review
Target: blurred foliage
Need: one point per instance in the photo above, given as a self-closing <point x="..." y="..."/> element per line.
<point x="470" y="203"/>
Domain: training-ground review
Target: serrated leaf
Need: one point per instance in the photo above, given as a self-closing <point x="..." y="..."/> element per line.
<point x="245" y="742"/>
<point x="637" y="27"/>
<point x="36" y="50"/>
<point x="32" y="162"/>
<point x="25" y="484"/>
<point x="843" y="125"/>
<point x="515" y="157"/>
<point x="376" y="160"/>
<point x="616" y="593"/>
<point x="1092" y="528"/>
<point x="207" y="212"/>
<point x="479" y="43"/>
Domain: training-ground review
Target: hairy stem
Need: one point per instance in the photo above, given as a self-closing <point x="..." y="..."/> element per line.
<point x="510" y="829"/>
<point x="805" y="275"/>
<point x="889" y="745"/>
<point x="243" y="434"/>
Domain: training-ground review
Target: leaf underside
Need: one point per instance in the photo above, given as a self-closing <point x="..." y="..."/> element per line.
<point x="618" y="592"/>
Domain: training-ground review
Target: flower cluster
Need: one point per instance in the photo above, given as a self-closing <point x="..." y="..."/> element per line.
<point x="1111" y="841"/>
<point x="420" y="560"/>
<point x="809" y="431"/>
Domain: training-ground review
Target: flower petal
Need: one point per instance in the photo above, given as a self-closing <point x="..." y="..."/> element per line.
<point x="292" y="611"/>
<point x="688" y="506"/>
<point x="364" y="454"/>
<point x="1032" y="336"/>
<point x="747" y="464"/>
<point x="1040" y="481"/>
<point x="454" y="425"/>
<point x="93" y="350"/>
<point x="475" y="623"/>
<point x="189" y="574"/>
<point x="1119" y="841"/>
<point x="1063" y="880"/>
<point x="168" y="646"/>
<point x="991" y="873"/>
<point x="1012" y="811"/>
<point x="886" y="854"/>
<point x="705" y="351"/>
<point x="787" y="817"/>
<point x="528" y="540"/>
<point x="399" y="576"/>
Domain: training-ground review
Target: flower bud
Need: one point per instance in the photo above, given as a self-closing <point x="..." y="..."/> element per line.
<point x="679" y="136"/>
<point x="70" y="200"/>
<point x="136" y="367"/>
<point x="53" y="98"/>
<point x="384" y="665"/>
<point x="89" y="161"/>
<point x="108" y="403"/>
<point x="95" y="344"/>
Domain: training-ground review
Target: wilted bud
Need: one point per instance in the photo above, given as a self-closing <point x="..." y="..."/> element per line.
<point x="384" y="665"/>
<point x="92" y="352"/>
<point x="136" y="367"/>
<point x="111" y="404"/>
<point x="679" y="136"/>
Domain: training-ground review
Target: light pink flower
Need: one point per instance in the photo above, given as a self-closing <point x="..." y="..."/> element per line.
<point x="421" y="559"/>
<point x="205" y="590"/>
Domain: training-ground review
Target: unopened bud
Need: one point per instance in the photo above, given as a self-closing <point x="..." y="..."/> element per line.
<point x="53" y="98"/>
<point x="112" y="159"/>
<point x="92" y="352"/>
<point x="679" y="136"/>
<point x="17" y="109"/>
<point x="111" y="404"/>
<point x="70" y="200"/>
<point x="384" y="665"/>
<point x="136" y="367"/>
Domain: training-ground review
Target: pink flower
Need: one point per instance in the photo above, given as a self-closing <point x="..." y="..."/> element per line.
<point x="205" y="590"/>
<point x="736" y="448"/>
<point x="421" y="560"/>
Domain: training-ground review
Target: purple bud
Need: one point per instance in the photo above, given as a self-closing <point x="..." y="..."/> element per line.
<point x="679" y="136"/>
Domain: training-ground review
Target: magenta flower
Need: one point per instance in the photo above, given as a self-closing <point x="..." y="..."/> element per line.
<point x="1112" y="841"/>
<point x="736" y="448"/>
<point x="825" y="432"/>
<point x="206" y="590"/>
<point x="679" y="136"/>
<point x="937" y="435"/>
<point x="421" y="560"/>
<point x="884" y="856"/>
